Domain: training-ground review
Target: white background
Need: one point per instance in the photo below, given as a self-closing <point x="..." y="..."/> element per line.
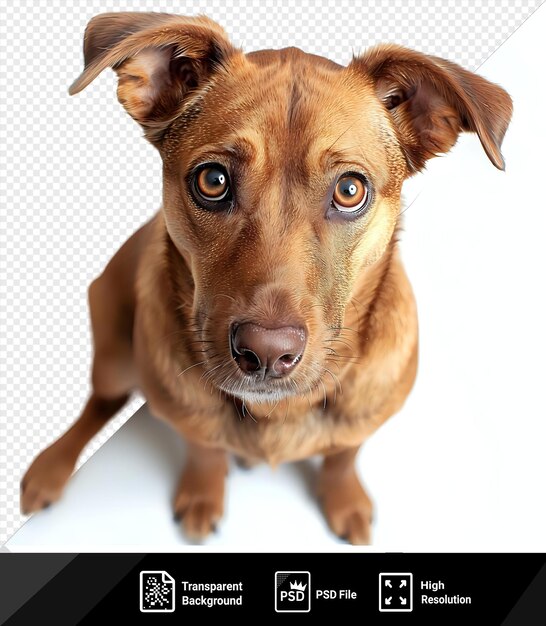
<point x="460" y="468"/>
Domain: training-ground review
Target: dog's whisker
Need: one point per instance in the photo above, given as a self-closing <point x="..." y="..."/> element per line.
<point x="334" y="363"/>
<point x="341" y="135"/>
<point x="334" y="378"/>
<point x="228" y="376"/>
<point x="191" y="367"/>
<point x="189" y="343"/>
<point x="352" y="301"/>
<point x="272" y="410"/>
<point x="344" y="359"/>
<point x="341" y="341"/>
<point x="410" y="204"/>
<point x="246" y="410"/>
<point x="237" y="408"/>
<point x="337" y="383"/>
<point x="287" y="400"/>
<point x="225" y="295"/>
<point x="207" y="375"/>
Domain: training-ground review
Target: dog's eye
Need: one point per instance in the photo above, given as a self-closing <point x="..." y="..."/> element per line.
<point x="350" y="193"/>
<point x="211" y="184"/>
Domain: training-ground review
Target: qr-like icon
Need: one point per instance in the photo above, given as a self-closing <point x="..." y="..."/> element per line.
<point x="156" y="592"/>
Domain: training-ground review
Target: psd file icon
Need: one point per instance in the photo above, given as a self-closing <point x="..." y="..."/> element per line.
<point x="156" y="592"/>
<point x="292" y="592"/>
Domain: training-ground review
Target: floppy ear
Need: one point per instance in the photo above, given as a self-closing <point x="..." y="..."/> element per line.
<point x="158" y="58"/>
<point x="432" y="100"/>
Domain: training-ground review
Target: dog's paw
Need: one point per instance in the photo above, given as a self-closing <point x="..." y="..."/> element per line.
<point x="348" y="509"/>
<point x="45" y="480"/>
<point x="199" y="503"/>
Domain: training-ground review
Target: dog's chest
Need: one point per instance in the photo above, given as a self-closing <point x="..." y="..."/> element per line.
<point x="287" y="438"/>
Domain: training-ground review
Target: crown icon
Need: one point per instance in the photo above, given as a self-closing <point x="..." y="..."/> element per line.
<point x="298" y="586"/>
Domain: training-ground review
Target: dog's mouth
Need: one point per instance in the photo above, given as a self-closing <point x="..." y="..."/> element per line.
<point x="260" y="391"/>
<point x="258" y="386"/>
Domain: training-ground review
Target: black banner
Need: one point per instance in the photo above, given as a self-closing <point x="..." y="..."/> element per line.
<point x="507" y="589"/>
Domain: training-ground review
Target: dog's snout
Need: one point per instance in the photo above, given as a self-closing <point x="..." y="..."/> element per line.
<point x="273" y="352"/>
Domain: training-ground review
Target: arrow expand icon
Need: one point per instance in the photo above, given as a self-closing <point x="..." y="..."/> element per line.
<point x="396" y="592"/>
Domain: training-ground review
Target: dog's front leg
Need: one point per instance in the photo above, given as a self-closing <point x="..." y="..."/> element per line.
<point x="46" y="478"/>
<point x="199" y="500"/>
<point x="346" y="505"/>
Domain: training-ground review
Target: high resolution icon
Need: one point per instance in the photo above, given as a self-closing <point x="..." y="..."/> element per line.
<point x="395" y="592"/>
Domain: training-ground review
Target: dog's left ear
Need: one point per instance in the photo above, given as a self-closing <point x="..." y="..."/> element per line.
<point x="432" y="100"/>
<point x="159" y="59"/>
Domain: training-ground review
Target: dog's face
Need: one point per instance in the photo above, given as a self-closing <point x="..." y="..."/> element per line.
<point x="280" y="183"/>
<point x="282" y="177"/>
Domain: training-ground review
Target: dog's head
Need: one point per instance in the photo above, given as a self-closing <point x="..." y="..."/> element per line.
<point x="282" y="176"/>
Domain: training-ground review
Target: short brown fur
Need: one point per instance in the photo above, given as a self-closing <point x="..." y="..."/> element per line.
<point x="286" y="124"/>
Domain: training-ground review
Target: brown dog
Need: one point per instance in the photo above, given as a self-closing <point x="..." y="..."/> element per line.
<point x="270" y="281"/>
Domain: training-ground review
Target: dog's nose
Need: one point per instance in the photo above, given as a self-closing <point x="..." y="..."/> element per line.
<point x="272" y="351"/>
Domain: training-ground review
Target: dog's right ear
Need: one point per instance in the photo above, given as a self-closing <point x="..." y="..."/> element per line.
<point x="159" y="58"/>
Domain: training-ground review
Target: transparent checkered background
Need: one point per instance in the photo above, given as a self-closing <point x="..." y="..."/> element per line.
<point x="77" y="178"/>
